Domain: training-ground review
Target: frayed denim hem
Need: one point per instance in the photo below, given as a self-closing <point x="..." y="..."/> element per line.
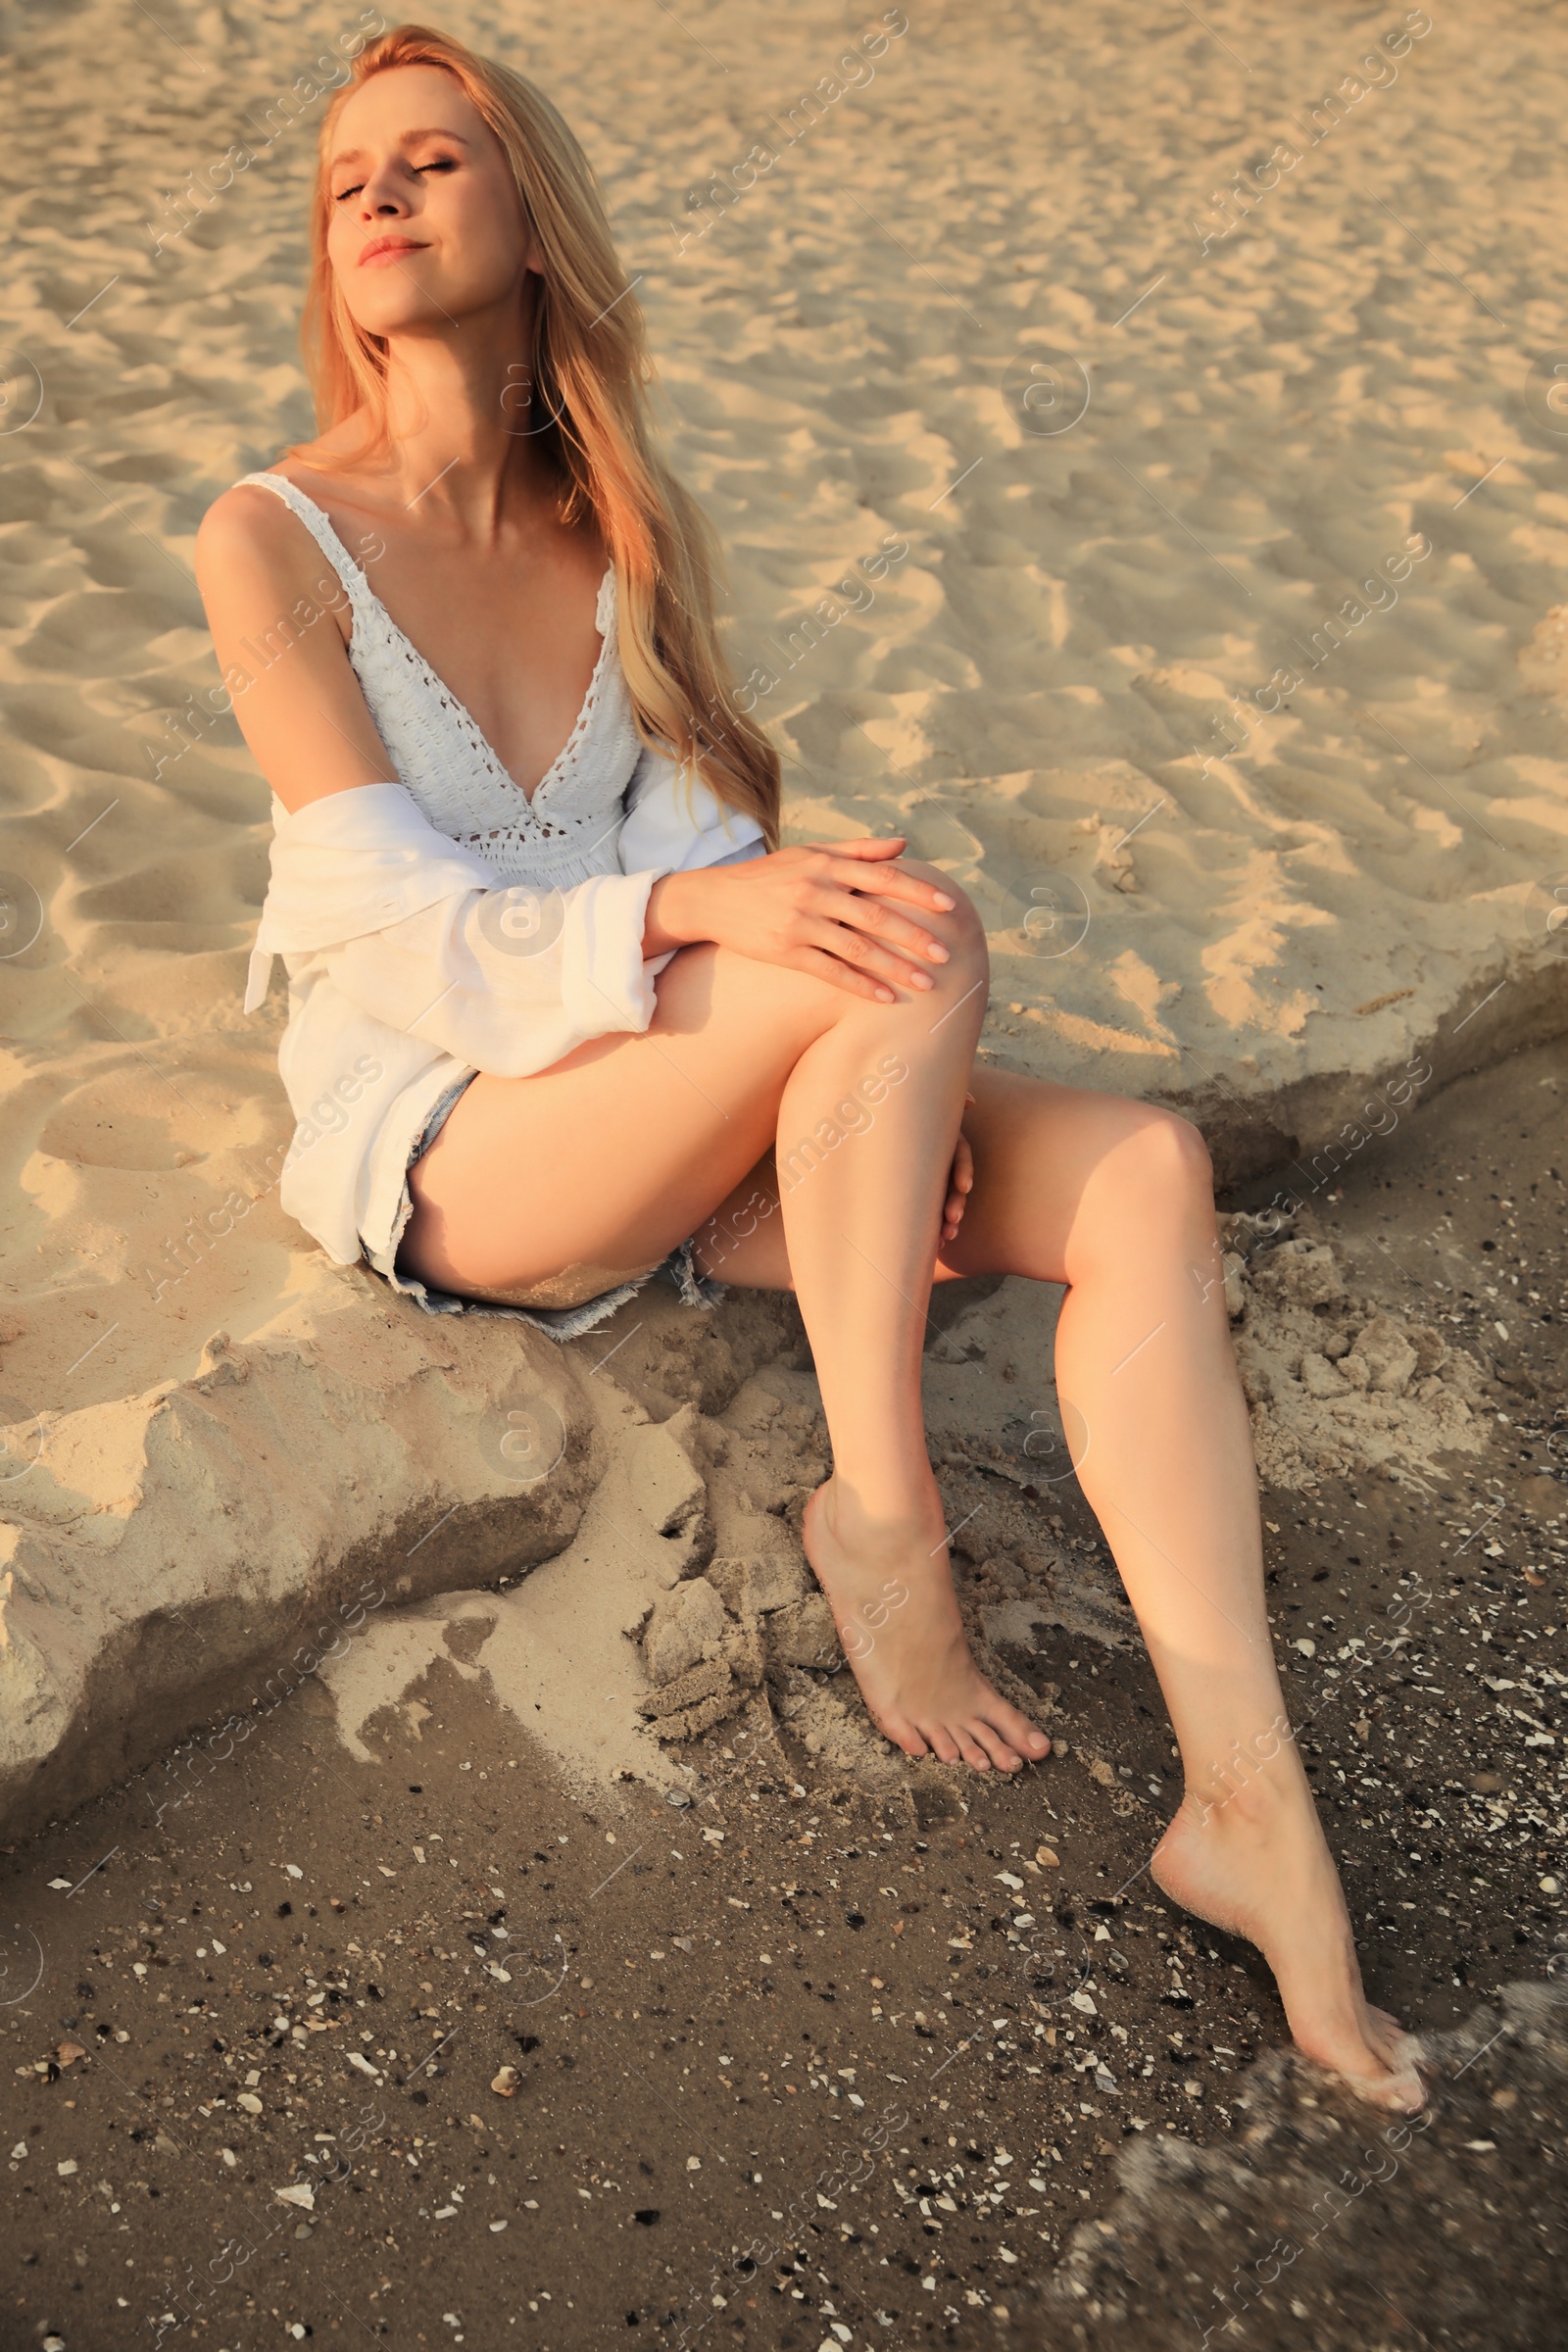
<point x="566" y="1322"/>
<point x="560" y="1323"/>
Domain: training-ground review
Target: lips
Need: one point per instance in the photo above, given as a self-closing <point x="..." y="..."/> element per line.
<point x="389" y="248"/>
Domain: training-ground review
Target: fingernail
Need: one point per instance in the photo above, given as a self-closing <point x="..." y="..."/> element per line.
<point x="946" y="904"/>
<point x="923" y="980"/>
<point x="937" y="951"/>
<point x="885" y="996"/>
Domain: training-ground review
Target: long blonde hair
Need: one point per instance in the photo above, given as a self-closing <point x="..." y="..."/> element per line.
<point x="590" y="374"/>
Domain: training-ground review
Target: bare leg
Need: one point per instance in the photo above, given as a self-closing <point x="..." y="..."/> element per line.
<point x="862" y="1218"/>
<point x="1115" y="1200"/>
<point x="620" y="1152"/>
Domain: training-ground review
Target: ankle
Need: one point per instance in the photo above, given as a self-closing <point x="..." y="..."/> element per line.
<point x="1249" y="1796"/>
<point x="874" y="1523"/>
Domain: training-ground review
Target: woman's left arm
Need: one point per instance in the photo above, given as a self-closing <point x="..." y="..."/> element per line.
<point x="676" y="826"/>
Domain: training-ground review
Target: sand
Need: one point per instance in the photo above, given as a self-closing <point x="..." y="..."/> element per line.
<point x="497" y="2047"/>
<point x="1043" y="475"/>
<point x="1182" y="570"/>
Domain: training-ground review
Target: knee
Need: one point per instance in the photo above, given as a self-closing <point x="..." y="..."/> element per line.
<point x="1164" y="1162"/>
<point x="1174" y="1162"/>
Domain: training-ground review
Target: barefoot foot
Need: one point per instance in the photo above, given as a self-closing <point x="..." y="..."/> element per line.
<point x="1257" y="1865"/>
<point x="891" y="1593"/>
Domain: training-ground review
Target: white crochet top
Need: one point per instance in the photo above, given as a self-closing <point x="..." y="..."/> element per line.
<point x="567" y="832"/>
<point x="385" y="899"/>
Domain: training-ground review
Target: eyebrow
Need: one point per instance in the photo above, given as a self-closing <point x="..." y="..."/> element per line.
<point x="356" y="155"/>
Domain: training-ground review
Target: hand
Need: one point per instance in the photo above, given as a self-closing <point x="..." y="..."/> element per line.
<point x="961" y="1183"/>
<point x="832" y="909"/>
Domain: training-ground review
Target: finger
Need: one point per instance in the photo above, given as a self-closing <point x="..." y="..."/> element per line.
<point x="893" y="882"/>
<point x="866" y="956"/>
<point x="824" y="965"/>
<point x="964" y="1164"/>
<point x="880" y="921"/>
<point x="893" y="845"/>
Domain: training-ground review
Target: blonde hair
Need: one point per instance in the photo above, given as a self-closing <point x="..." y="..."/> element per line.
<point x="590" y="373"/>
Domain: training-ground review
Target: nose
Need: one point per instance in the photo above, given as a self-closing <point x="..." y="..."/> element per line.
<point x="383" y="195"/>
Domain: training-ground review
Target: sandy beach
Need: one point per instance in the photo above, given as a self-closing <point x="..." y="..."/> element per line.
<point x="1138" y="442"/>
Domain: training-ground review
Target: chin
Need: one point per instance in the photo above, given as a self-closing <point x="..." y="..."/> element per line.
<point x="400" y="307"/>
<point x="382" y="301"/>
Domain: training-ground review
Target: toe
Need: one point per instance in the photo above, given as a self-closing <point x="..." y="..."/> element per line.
<point x="1015" y="1728"/>
<point x="902" y="1735"/>
<point x="986" y="1736"/>
<point x="1401" y="2052"/>
<point x="942" y="1746"/>
<point x="973" y="1755"/>
<point x="1400" y="2093"/>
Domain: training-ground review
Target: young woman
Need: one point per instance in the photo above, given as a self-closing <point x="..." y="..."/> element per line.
<point x="557" y="996"/>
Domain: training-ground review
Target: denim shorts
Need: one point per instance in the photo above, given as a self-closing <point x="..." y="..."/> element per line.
<point x="561" y="1323"/>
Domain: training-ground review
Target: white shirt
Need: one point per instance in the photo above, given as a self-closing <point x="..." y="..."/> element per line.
<point x="445" y="922"/>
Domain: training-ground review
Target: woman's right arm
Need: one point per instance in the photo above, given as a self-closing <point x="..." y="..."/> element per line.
<point x="274" y="603"/>
<point x="506" y="979"/>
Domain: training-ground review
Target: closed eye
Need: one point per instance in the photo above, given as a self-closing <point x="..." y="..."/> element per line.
<point x="440" y="163"/>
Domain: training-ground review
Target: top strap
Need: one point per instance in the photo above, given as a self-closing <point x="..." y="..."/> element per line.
<point x="319" y="527"/>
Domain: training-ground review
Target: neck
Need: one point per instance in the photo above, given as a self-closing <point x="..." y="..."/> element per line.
<point x="461" y="418"/>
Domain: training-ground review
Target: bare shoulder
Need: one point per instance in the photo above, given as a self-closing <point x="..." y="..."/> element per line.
<point x="249" y="528"/>
<point x="249" y="533"/>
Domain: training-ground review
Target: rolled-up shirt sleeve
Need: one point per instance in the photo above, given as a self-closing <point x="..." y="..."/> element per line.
<point x="509" y="980"/>
<point x="414" y="930"/>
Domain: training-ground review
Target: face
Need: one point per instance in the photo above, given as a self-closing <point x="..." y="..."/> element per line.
<point x="426" y="220"/>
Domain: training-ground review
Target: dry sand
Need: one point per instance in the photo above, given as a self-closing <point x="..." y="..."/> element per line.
<point x="1051" y="666"/>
